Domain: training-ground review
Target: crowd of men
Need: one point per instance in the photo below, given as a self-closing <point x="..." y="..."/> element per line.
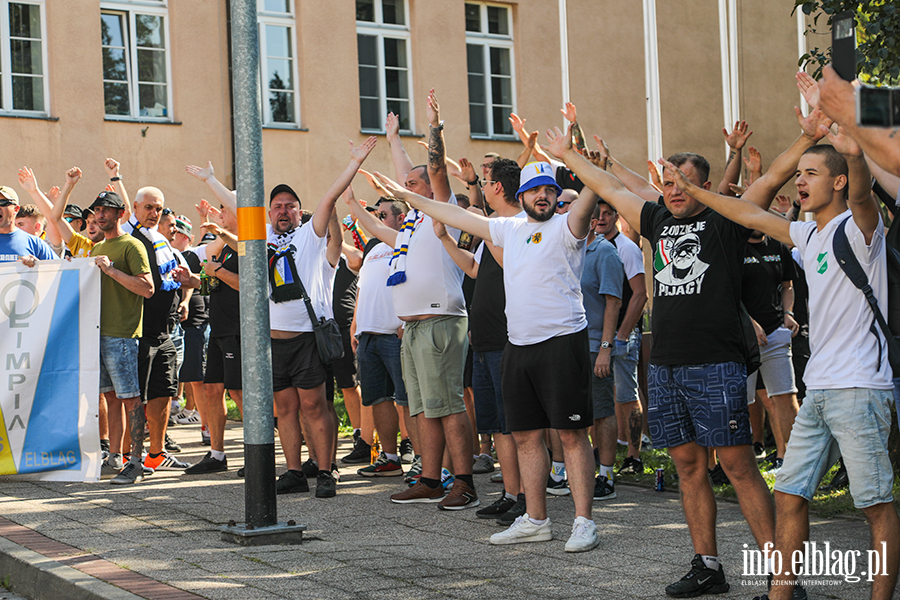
<point x="508" y="320"/>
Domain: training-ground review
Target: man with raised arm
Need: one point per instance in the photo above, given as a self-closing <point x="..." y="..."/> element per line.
<point x="546" y="365"/>
<point x="848" y="378"/>
<point x="427" y="292"/>
<point x="296" y="255"/>
<point x="697" y="376"/>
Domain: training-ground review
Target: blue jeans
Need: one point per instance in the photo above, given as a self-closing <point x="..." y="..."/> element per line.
<point x="489" y="415"/>
<point x="380" y="374"/>
<point x="625" y="367"/>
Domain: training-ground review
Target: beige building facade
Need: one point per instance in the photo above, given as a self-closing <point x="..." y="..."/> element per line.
<point x="147" y="82"/>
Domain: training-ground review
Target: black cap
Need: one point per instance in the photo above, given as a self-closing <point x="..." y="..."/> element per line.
<point x="110" y="199"/>
<point x="73" y="211"/>
<point x="283" y="188"/>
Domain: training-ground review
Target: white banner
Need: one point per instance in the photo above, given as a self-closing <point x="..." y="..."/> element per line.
<point x="50" y="370"/>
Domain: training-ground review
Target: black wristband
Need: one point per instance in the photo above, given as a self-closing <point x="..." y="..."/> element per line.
<point x="471" y="183"/>
<point x="117" y="178"/>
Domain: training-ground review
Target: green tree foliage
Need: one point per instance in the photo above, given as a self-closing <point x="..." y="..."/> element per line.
<point x="877" y="37"/>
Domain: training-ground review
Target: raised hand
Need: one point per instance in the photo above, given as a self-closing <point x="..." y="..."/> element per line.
<point x="677" y="174"/>
<point x="440" y="230"/>
<point x="359" y="153"/>
<point x="110" y="187"/>
<point x="842" y="141"/>
<point x="73" y="175"/>
<point x="393" y="188"/>
<point x="433" y="110"/>
<point x="203" y="174"/>
<point x="738" y="136"/>
<point x="753" y="160"/>
<point x="737" y="189"/>
<point x="654" y="176"/>
<point x="372" y="182"/>
<point x="203" y="209"/>
<point x="596" y="157"/>
<point x="808" y="87"/>
<point x="569" y="112"/>
<point x="53" y="194"/>
<point x="602" y="148"/>
<point x="782" y="204"/>
<point x="27" y="180"/>
<point x="559" y="143"/>
<point x="467" y="170"/>
<point x="347" y="195"/>
<point x="212" y="227"/>
<point x="814" y="126"/>
<point x="517" y="122"/>
<point x="392" y="126"/>
<point x="112" y="167"/>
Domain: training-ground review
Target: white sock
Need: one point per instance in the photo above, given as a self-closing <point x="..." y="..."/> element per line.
<point x="537" y="521"/>
<point x="770" y="565"/>
<point x="509" y="496"/>
<point x="392" y="456"/>
<point x="558" y="471"/>
<point x="606" y="471"/>
<point x="217" y="454"/>
<point x="711" y="562"/>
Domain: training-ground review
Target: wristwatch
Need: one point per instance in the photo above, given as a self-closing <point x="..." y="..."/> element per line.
<point x="605" y="345"/>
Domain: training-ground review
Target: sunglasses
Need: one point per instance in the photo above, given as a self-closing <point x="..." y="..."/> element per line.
<point x="560" y="204"/>
<point x="166" y="211"/>
<point x="6" y="202"/>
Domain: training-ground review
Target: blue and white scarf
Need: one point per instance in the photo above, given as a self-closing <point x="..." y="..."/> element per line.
<point x="397" y="264"/>
<point x="165" y="257"/>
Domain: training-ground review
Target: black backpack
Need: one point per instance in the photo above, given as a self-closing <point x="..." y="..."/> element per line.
<point x="851" y="267"/>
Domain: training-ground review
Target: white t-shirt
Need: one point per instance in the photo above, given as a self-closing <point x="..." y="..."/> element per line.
<point x="631" y="255"/>
<point x="308" y="250"/>
<point x="843" y="350"/>
<point x="542" y="265"/>
<point x="433" y="283"/>
<point x="374" y="301"/>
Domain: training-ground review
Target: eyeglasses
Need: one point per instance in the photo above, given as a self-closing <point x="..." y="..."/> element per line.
<point x="381" y="216"/>
<point x="561" y="203"/>
<point x="485" y="165"/>
<point x="166" y="212"/>
<point x="488" y="182"/>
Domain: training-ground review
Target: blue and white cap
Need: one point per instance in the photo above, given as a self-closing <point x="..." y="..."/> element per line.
<point x="536" y="174"/>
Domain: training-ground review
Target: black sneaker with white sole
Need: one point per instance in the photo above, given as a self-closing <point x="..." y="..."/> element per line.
<point x="515" y="511"/>
<point x="497" y="508"/>
<point x="291" y="482"/>
<point x="699" y="580"/>
<point x="604" y="489"/>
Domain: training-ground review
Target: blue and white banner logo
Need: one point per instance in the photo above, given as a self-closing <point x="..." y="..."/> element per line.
<point x="50" y="370"/>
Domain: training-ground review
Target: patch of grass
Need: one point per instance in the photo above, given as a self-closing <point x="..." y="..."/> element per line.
<point x="5" y="582"/>
<point x="344" y="428"/>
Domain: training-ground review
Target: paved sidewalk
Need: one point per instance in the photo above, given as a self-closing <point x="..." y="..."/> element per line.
<point x="160" y="539"/>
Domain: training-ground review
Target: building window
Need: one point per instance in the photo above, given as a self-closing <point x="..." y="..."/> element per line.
<point x="278" y="65"/>
<point x="23" y="58"/>
<point x="382" y="37"/>
<point x="136" y="70"/>
<point x="489" y="56"/>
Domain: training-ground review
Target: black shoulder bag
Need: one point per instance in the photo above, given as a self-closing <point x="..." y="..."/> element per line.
<point x="328" y="334"/>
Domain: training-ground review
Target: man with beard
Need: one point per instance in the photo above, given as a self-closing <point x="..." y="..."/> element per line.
<point x="546" y="364"/>
<point x="126" y="281"/>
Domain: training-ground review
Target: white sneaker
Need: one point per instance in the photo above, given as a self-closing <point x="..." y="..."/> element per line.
<point x="584" y="536"/>
<point x="187" y="417"/>
<point x="523" y="530"/>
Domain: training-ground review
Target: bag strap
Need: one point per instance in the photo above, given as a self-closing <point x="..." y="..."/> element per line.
<point x="309" y="309"/>
<point x="751" y="247"/>
<point x="854" y="272"/>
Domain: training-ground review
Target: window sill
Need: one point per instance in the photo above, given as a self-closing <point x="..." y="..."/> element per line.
<point x="382" y="132"/>
<point x="141" y="121"/>
<point x="28" y="116"/>
<point x="495" y="138"/>
<point x="284" y="127"/>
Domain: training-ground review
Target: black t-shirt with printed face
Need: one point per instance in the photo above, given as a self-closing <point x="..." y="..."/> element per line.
<point x="697" y="268"/>
<point x="224" y="300"/>
<point x="761" y="283"/>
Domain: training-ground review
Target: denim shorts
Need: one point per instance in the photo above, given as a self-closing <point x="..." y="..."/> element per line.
<point x="625" y="367"/>
<point x="706" y="404"/>
<point x="852" y="423"/>
<point x="380" y="374"/>
<point x="776" y="367"/>
<point x="487" y="387"/>
<point x="119" y="366"/>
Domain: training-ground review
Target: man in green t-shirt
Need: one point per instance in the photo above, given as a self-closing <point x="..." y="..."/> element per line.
<point x="125" y="282"/>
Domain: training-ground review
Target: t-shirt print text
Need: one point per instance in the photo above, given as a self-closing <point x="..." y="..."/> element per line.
<point x="678" y="270"/>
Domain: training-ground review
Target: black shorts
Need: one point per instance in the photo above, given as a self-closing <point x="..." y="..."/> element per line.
<point x="157" y="362"/>
<point x="548" y="384"/>
<point x="469" y="368"/>
<point x="296" y="363"/>
<point x="194" y="365"/>
<point x="223" y="362"/>
<point x="346" y="367"/>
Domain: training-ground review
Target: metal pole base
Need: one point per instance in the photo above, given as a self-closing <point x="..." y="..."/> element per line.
<point x="281" y="533"/>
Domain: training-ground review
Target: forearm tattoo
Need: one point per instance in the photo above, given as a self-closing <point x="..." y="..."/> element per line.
<point x="436" y="150"/>
<point x="137" y="420"/>
<point x="731" y="156"/>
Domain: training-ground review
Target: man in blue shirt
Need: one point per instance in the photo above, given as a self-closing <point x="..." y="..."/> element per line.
<point x="601" y="287"/>
<point x="15" y="243"/>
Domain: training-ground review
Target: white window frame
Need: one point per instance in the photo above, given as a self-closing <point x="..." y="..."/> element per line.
<point x="145" y="7"/>
<point x="278" y="19"/>
<point x="487" y="41"/>
<point x="381" y="30"/>
<point x="6" y="101"/>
